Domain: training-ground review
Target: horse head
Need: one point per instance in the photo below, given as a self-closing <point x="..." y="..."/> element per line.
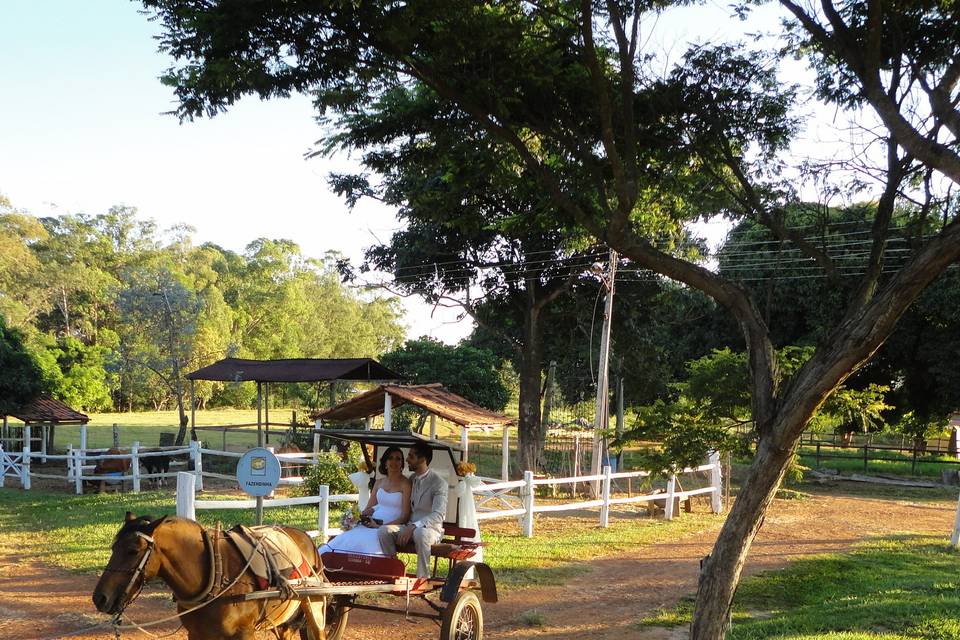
<point x="131" y="564"/>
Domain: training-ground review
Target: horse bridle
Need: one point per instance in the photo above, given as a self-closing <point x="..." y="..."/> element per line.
<point x="137" y="573"/>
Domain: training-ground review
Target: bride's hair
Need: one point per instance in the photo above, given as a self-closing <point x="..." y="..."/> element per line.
<point x="383" y="459"/>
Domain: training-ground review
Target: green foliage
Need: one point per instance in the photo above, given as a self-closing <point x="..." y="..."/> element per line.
<point x="465" y="370"/>
<point x="887" y="589"/>
<point x="114" y="313"/>
<point x="21" y="380"/>
<point x="326" y="471"/>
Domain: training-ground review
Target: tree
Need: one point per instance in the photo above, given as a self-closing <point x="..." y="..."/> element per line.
<point x="479" y="234"/>
<point x="160" y="316"/>
<point x="467" y="371"/>
<point x="22" y="380"/>
<point x="564" y="87"/>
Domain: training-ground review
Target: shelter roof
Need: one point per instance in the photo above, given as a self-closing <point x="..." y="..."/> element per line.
<point x="294" y="370"/>
<point x="48" y="410"/>
<point x="432" y="397"/>
<point x="380" y="438"/>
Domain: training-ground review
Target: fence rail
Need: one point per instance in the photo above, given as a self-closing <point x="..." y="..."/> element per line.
<point x="821" y="450"/>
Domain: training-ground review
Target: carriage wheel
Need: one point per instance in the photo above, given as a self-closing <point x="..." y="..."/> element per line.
<point x="337" y="614"/>
<point x="335" y="622"/>
<point x="463" y="619"/>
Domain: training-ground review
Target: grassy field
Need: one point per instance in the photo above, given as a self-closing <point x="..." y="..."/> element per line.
<point x="927" y="466"/>
<point x="75" y="532"/>
<point x="897" y="588"/>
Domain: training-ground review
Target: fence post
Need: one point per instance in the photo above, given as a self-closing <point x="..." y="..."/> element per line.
<point x="818" y="454"/>
<point x="866" y="448"/>
<point x="671" y="491"/>
<point x="78" y="471"/>
<point x="186" y="500"/>
<point x="605" y="508"/>
<point x="116" y="436"/>
<point x="3" y="466"/>
<point x="913" y="461"/>
<point x="716" y="481"/>
<point x="83" y="446"/>
<point x="44" y="433"/>
<point x="576" y="463"/>
<point x="316" y="446"/>
<point x="25" y="467"/>
<point x="505" y="455"/>
<point x="323" y="514"/>
<point x="195" y="455"/>
<point x="135" y="466"/>
<point x="70" y="469"/>
<point x="528" y="503"/>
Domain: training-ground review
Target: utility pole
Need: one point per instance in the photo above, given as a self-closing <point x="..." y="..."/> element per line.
<point x="602" y="412"/>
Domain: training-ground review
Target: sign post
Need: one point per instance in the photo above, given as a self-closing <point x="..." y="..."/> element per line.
<point x="258" y="474"/>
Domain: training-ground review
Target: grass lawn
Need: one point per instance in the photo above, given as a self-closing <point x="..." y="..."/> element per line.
<point x="896" y="588"/>
<point x="75" y="532"/>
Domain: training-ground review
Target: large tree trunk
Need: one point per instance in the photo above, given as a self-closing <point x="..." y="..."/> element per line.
<point x="720" y="571"/>
<point x="530" y="427"/>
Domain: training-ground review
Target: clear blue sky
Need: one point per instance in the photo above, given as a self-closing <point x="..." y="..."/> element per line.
<point x="82" y="128"/>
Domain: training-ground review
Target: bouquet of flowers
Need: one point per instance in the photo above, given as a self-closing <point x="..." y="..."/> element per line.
<point x="465" y="468"/>
<point x="350" y="518"/>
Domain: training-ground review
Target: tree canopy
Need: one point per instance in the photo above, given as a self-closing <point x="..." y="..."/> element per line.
<point x="625" y="145"/>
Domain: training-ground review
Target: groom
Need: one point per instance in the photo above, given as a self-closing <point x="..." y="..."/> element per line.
<point x="428" y="508"/>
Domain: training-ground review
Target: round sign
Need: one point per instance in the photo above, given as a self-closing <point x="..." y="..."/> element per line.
<point x="258" y="472"/>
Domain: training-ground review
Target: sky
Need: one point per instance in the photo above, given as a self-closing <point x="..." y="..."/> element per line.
<point x="83" y="127"/>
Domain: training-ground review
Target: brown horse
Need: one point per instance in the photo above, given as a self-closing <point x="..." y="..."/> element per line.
<point x="186" y="557"/>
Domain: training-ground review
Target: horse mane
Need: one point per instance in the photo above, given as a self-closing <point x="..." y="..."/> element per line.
<point x="143" y="524"/>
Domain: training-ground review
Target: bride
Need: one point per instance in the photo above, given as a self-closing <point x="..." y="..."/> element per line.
<point x="389" y="504"/>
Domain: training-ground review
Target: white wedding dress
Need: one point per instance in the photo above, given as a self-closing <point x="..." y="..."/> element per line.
<point x="363" y="539"/>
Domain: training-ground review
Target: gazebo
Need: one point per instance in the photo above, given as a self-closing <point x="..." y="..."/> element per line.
<point x="46" y="413"/>
<point x="263" y="372"/>
<point x="433" y="398"/>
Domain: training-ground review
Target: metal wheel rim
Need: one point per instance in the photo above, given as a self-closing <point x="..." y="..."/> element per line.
<point x="467" y="623"/>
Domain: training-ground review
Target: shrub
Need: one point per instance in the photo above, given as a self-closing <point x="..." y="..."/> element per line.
<point x="326" y="471"/>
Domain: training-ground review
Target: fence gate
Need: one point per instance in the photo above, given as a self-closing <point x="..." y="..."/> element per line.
<point x="11" y="466"/>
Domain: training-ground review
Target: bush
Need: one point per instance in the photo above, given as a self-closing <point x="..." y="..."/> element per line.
<point x="326" y="471"/>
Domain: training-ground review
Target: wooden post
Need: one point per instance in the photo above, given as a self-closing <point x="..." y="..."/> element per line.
<point x="323" y="514"/>
<point x="186" y="500"/>
<point x="716" y="481"/>
<point x="3" y="466"/>
<point x="955" y="537"/>
<point x="464" y="443"/>
<point x="116" y="436"/>
<point x="45" y="433"/>
<point x="818" y="454"/>
<point x="78" y="471"/>
<point x="25" y="467"/>
<point x="576" y="462"/>
<point x="70" y="469"/>
<point x="83" y="446"/>
<point x="605" y="508"/>
<point x="671" y="492"/>
<point x="866" y="447"/>
<point x="603" y="383"/>
<point x="266" y="411"/>
<point x="197" y="458"/>
<point x="135" y="466"/>
<point x="433" y="426"/>
<point x="368" y="423"/>
<point x="193" y="412"/>
<point x="316" y="446"/>
<point x="387" y="412"/>
<point x="259" y="414"/>
<point x="528" y="503"/>
<point x="505" y="455"/>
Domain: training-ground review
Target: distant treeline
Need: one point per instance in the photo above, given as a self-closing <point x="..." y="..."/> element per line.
<point x="115" y="310"/>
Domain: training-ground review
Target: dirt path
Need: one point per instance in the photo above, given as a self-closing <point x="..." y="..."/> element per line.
<point x="38" y="602"/>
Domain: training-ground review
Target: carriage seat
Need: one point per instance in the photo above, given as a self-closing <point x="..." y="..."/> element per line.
<point x="456" y="544"/>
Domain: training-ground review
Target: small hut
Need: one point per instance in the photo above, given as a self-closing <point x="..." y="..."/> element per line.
<point x="44" y="412"/>
<point x="433" y="398"/>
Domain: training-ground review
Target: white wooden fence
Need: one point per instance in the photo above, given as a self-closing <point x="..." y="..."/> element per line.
<point x="526" y="495"/>
<point x="187" y="504"/>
